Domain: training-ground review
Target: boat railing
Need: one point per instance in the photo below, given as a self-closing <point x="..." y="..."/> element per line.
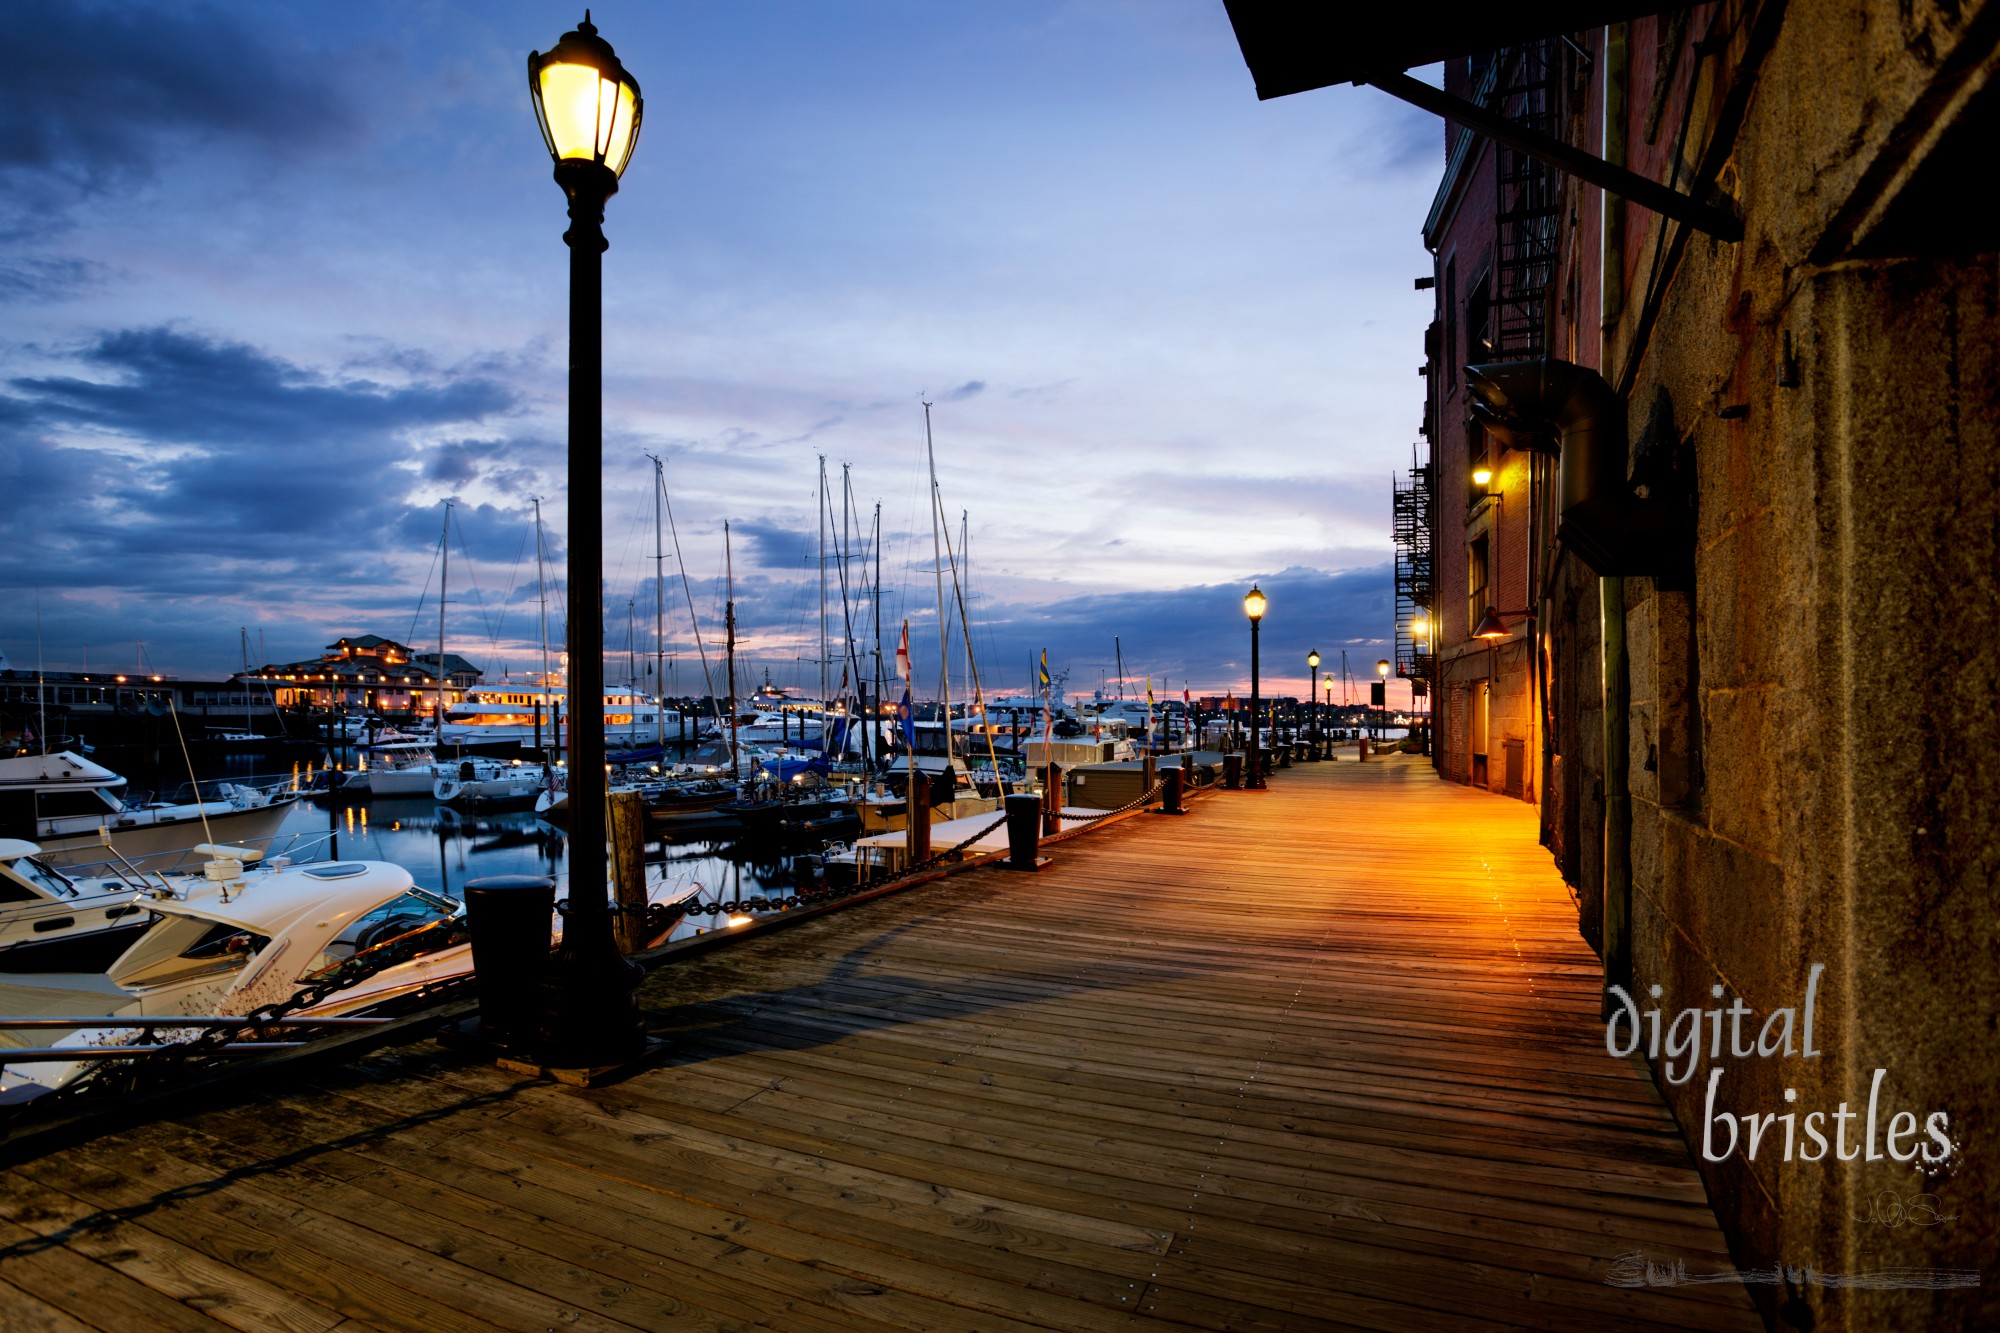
<point x="297" y="847"/>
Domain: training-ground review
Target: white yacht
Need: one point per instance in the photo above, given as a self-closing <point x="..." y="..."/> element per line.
<point x="508" y="714"/>
<point x="238" y="936"/>
<point x="396" y="768"/>
<point x="71" y="806"/>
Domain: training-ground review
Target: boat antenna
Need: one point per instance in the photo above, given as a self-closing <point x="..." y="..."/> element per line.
<point x="200" y="805"/>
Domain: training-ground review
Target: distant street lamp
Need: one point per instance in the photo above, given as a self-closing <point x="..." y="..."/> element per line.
<point x="1254" y="603"/>
<point x="1420" y="633"/>
<point x="589" y="111"/>
<point x="1382" y="725"/>
<point x="1312" y="699"/>
<point x="1327" y="711"/>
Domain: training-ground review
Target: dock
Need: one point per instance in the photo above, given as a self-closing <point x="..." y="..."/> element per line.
<point x="1325" y="1056"/>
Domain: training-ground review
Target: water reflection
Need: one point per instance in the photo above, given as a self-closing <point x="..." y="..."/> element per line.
<point x="443" y="848"/>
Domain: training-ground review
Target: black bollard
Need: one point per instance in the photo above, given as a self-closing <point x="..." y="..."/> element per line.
<point x="1024" y="826"/>
<point x="511" y="918"/>
<point x="1051" y="800"/>
<point x="1170" y="791"/>
<point x="917" y="821"/>
<point x="1232" y="772"/>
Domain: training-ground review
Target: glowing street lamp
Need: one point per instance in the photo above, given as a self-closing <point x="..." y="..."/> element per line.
<point x="1254" y="603"/>
<point x="589" y="111"/>
<point x="1312" y="698"/>
<point x="1382" y="724"/>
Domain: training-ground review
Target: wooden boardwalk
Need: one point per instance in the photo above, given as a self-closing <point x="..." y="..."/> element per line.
<point x="1325" y="1056"/>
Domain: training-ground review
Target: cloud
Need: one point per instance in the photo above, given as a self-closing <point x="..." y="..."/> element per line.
<point x="213" y="477"/>
<point x="95" y="96"/>
<point x="969" y="389"/>
<point x="29" y="280"/>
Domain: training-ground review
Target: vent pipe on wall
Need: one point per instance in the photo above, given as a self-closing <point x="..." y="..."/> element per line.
<point x="1524" y="404"/>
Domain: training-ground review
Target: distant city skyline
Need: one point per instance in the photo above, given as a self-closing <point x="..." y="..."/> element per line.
<point x="292" y="277"/>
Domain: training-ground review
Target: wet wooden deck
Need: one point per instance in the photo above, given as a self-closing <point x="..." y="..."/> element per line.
<point x="1320" y="1057"/>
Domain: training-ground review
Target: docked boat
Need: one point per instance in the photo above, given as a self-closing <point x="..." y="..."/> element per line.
<point x="395" y="768"/>
<point x="516" y="716"/>
<point x="52" y="922"/>
<point x="243" y="934"/>
<point x="487" y="782"/>
<point x="71" y="807"/>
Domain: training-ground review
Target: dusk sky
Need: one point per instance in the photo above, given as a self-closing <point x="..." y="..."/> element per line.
<point x="278" y="280"/>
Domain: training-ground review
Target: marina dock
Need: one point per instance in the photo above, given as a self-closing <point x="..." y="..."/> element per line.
<point x="1295" y="1060"/>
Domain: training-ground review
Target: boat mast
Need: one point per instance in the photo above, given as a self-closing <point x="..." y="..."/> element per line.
<point x="851" y="665"/>
<point x="729" y="628"/>
<point x="822" y="610"/>
<point x="876" y="721"/>
<point x="444" y="573"/>
<point x="962" y="585"/>
<point x="659" y="613"/>
<point x="542" y="600"/>
<point x="944" y="623"/>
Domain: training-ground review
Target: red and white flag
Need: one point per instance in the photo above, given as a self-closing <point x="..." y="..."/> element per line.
<point x="903" y="654"/>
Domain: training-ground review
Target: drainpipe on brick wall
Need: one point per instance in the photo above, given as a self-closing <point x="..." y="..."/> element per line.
<point x="1617" y="787"/>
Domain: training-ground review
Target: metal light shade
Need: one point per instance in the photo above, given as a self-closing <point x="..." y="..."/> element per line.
<point x="1254" y="603"/>
<point x="1490" y="626"/>
<point x="588" y="106"/>
<point x="1382" y="667"/>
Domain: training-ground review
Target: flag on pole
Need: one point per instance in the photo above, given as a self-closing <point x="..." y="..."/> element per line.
<point x="906" y="710"/>
<point x="1045" y="668"/>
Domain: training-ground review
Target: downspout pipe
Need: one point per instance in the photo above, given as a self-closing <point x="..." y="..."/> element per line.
<point x="1525" y="404"/>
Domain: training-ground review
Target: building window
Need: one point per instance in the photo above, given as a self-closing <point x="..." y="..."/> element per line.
<point x="1479" y="319"/>
<point x="1476" y="582"/>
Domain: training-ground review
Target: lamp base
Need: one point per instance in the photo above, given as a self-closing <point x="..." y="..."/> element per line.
<point x="590" y="1001"/>
<point x="584" y="1076"/>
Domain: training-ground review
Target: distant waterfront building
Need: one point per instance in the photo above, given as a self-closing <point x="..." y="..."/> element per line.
<point x="366" y="672"/>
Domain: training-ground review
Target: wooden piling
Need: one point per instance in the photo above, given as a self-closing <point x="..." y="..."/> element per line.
<point x="628" y="868"/>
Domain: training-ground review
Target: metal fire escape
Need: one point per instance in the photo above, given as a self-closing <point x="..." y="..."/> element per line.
<point x="1526" y="91"/>
<point x="1416" y="584"/>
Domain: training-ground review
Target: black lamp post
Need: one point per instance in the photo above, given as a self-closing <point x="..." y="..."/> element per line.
<point x="1382" y="715"/>
<point x="1254" y="603"/>
<point x="589" y="110"/>
<point x="1312" y="699"/>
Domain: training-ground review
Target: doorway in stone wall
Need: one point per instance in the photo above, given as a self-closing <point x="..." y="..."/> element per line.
<point x="1475" y="734"/>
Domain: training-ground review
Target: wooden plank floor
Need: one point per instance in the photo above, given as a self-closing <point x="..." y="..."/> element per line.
<point x="1320" y="1057"/>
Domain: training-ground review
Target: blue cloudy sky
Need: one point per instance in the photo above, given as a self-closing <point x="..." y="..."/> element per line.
<point x="278" y="280"/>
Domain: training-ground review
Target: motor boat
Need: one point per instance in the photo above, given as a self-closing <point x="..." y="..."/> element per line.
<point x="486" y="782"/>
<point x="71" y="807"/>
<point x="53" y="922"/>
<point x="245" y="933"/>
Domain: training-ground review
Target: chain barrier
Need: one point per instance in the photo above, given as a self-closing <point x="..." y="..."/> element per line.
<point x="1081" y="822"/>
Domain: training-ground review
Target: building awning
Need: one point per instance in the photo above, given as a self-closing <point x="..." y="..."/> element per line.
<point x="1291" y="47"/>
